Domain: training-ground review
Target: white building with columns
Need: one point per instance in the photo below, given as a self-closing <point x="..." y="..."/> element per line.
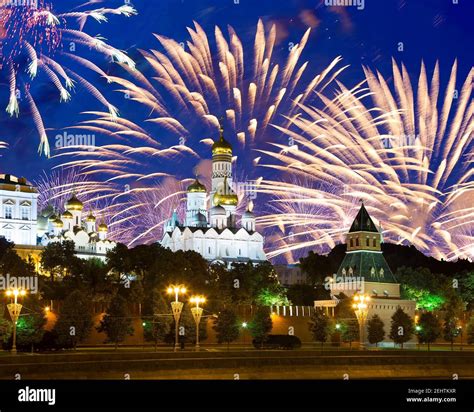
<point x="18" y="210"/>
<point x="210" y="227"/>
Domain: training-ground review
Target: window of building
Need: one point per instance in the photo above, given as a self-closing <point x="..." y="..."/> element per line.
<point x="367" y="242"/>
<point x="25" y="213"/>
<point x="8" y="212"/>
<point x="357" y="241"/>
<point x="352" y="242"/>
<point x="375" y="243"/>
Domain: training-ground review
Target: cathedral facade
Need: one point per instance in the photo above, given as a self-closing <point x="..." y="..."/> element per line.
<point x="89" y="237"/>
<point x="211" y="226"/>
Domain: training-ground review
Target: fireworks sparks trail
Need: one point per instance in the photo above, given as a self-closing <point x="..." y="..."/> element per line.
<point x="201" y="85"/>
<point x="408" y="156"/>
<point x="31" y="45"/>
<point x="56" y="187"/>
<point x="185" y="94"/>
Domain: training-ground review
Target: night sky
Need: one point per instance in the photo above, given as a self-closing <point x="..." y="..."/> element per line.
<point x="430" y="30"/>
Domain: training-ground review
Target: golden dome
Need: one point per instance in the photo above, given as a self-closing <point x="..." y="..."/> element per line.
<point x="222" y="146"/>
<point x="67" y="215"/>
<point x="58" y="223"/>
<point x="74" y="204"/>
<point x="52" y="218"/>
<point x="197" y="187"/>
<point x="103" y="227"/>
<point x="91" y="218"/>
<point x="226" y="199"/>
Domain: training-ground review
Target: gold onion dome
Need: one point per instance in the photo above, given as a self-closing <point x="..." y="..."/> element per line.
<point x="197" y="187"/>
<point x="103" y="227"/>
<point x="222" y="146"/>
<point x="52" y="218"/>
<point x="91" y="218"/>
<point x="58" y="223"/>
<point x="74" y="204"/>
<point x="67" y="215"/>
<point x="226" y="199"/>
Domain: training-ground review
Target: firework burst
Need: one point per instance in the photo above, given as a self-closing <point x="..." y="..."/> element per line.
<point x="31" y="45"/>
<point x="187" y="94"/>
<point x="408" y="155"/>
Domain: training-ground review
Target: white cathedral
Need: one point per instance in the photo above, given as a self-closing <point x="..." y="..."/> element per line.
<point x="210" y="227"/>
<point x="90" y="240"/>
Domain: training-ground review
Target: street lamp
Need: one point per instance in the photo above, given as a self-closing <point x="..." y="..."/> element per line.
<point x="197" y="313"/>
<point x="14" y="309"/>
<point x="177" y="308"/>
<point x="361" y="310"/>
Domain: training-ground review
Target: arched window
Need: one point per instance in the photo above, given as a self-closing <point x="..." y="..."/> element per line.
<point x="374" y="243"/>
<point x="367" y="242"/>
<point x="352" y="242"/>
<point x="357" y="241"/>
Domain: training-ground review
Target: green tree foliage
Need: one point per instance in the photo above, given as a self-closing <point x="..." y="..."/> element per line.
<point x="402" y="327"/>
<point x="75" y="322"/>
<point x="302" y="295"/>
<point x="12" y="264"/>
<point x="470" y="331"/>
<point x="227" y="327"/>
<point x="5" y="329"/>
<point x="58" y="259"/>
<point x="430" y="329"/>
<point x="30" y="325"/>
<point x="319" y="326"/>
<point x="156" y="317"/>
<point x="116" y="323"/>
<point x="467" y="288"/>
<point x="318" y="267"/>
<point x="349" y="331"/>
<point x="261" y="324"/>
<point x="450" y="327"/>
<point x="375" y="330"/>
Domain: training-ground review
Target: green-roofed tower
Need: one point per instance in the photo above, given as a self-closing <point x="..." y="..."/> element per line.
<point x="364" y="257"/>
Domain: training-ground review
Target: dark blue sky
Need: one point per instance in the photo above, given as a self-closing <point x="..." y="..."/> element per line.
<point x="430" y="30"/>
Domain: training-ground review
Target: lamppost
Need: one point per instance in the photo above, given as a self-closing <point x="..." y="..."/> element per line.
<point x="197" y="313"/>
<point x="177" y="308"/>
<point x="361" y="310"/>
<point x="14" y="309"/>
<point x="460" y="333"/>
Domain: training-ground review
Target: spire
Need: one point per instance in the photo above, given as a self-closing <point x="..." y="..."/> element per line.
<point x="363" y="222"/>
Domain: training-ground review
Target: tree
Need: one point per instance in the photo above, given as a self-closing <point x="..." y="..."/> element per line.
<point x="319" y="326"/>
<point x="401" y="329"/>
<point x="116" y="323"/>
<point x="74" y="323"/>
<point x="429" y="329"/>
<point x="261" y="324"/>
<point x="450" y="328"/>
<point x="5" y="329"/>
<point x="470" y="331"/>
<point x="226" y="327"/>
<point x="350" y="331"/>
<point x="156" y="318"/>
<point x="30" y="325"/>
<point x="375" y="330"/>
<point x="58" y="258"/>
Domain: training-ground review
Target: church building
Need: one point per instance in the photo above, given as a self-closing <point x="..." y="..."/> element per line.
<point x="89" y="237"/>
<point x="211" y="225"/>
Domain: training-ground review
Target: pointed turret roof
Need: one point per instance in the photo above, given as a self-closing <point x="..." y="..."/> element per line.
<point x="363" y="222"/>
